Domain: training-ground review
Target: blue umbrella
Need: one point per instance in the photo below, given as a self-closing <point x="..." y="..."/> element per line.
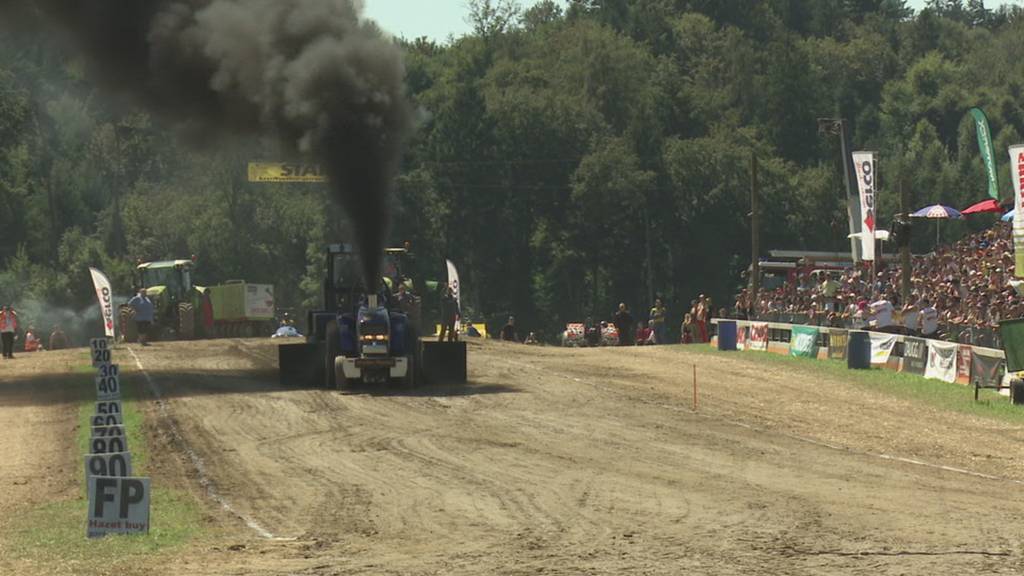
<point x="1008" y="217"/>
<point x="938" y="212"/>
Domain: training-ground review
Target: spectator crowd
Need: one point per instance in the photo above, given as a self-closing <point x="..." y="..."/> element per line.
<point x="959" y="292"/>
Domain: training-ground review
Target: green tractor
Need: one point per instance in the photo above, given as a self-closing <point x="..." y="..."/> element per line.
<point x="178" y="304"/>
<point x="185" y="311"/>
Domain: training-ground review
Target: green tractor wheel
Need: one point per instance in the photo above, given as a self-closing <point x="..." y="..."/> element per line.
<point x="129" y="331"/>
<point x="186" y="321"/>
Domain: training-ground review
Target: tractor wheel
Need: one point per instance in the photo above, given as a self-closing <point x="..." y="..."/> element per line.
<point x="332" y="348"/>
<point x="129" y="331"/>
<point x="186" y="321"/>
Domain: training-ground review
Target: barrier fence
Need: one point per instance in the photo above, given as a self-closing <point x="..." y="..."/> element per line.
<point x="978" y="366"/>
<point x="961" y="334"/>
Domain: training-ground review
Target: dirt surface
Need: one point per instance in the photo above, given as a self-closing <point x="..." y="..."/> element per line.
<point x="38" y="412"/>
<point x="39" y="401"/>
<point x="555" y="461"/>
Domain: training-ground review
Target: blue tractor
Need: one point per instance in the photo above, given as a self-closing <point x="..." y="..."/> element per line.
<point x="364" y="337"/>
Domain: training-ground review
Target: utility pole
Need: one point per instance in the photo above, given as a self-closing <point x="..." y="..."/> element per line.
<point x="755" y="230"/>
<point x="837" y="127"/>
<point x="904" y="235"/>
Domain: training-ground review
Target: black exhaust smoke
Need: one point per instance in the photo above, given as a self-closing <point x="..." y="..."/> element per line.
<point x="307" y="72"/>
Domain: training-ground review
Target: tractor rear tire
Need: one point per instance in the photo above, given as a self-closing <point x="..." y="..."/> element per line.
<point x="186" y="321"/>
<point x="129" y="330"/>
<point x="332" y="350"/>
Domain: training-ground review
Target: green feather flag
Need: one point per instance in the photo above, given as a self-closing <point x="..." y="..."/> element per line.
<point x="987" y="153"/>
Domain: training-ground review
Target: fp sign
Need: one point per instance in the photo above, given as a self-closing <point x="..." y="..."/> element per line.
<point x="118" y="506"/>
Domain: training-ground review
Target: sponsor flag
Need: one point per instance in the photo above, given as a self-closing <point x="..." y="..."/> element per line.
<point x="1012" y="333"/>
<point x="986" y="371"/>
<point x="881" y="347"/>
<point x="988" y="155"/>
<point x="915" y="355"/>
<point x="864" y="166"/>
<point x="804" y="342"/>
<point x="1017" y="175"/>
<point x="837" y="341"/>
<point x="758" y="336"/>
<point x="941" y="361"/>
<point x="105" y="296"/>
<point x="453" y="281"/>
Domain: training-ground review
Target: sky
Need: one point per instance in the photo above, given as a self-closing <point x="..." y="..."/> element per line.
<point x="437" y="19"/>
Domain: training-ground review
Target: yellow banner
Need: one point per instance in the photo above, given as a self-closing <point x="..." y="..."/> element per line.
<point x="285" y="172"/>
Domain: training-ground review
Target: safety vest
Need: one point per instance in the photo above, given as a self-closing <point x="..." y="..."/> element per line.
<point x="3" y="322"/>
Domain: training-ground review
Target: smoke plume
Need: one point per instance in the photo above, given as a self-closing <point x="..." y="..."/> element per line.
<point x="309" y="73"/>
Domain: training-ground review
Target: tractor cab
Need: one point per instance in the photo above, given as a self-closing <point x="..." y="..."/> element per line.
<point x="170" y="279"/>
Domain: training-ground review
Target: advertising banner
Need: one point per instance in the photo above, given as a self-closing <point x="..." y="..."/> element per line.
<point x="758" y="336"/>
<point x="881" y="347"/>
<point x="941" y="361"/>
<point x="864" y="165"/>
<point x="986" y="371"/>
<point x="988" y="155"/>
<point x="105" y="296"/>
<point x="453" y="281"/>
<point x="837" y="341"/>
<point x="741" y="337"/>
<point x="285" y="172"/>
<point x="804" y="342"/>
<point x="915" y="355"/>
<point x="1017" y="176"/>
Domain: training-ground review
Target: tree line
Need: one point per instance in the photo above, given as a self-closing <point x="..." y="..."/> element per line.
<point x="568" y="156"/>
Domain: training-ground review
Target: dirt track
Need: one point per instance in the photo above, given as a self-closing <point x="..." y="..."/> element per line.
<point x="587" y="462"/>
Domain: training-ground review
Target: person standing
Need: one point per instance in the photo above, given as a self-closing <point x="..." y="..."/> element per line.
<point x="449" y="314"/>
<point x="700" y="317"/>
<point x="828" y="292"/>
<point x="8" y="326"/>
<point x="508" y="331"/>
<point x="881" y="313"/>
<point x="657" y="322"/>
<point x="623" y="321"/>
<point x="910" y="318"/>
<point x="928" y="319"/>
<point x="144" y="311"/>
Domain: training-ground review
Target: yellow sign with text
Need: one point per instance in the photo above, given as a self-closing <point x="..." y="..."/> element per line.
<point x="285" y="172"/>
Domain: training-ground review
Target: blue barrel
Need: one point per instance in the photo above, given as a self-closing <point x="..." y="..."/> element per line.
<point x="858" y="350"/>
<point x="727" y="335"/>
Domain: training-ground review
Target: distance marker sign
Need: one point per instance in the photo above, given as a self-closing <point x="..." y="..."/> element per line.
<point x="118" y="464"/>
<point x="117" y="506"/>
<point x="98" y="420"/>
<point x="99" y="349"/>
<point x="108" y="388"/>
